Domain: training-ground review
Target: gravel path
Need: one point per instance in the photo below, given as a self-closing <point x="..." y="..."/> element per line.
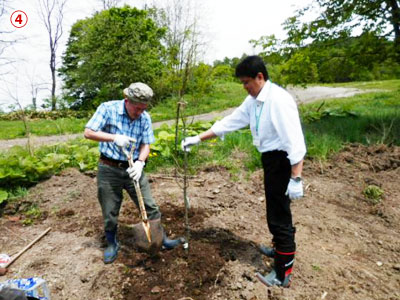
<point x="301" y="95"/>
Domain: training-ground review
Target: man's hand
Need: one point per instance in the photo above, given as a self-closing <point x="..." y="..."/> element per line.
<point x="295" y="189"/>
<point x="189" y="142"/>
<point x="135" y="172"/>
<point x="123" y="140"/>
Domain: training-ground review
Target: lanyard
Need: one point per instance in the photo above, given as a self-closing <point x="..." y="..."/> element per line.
<point x="258" y="117"/>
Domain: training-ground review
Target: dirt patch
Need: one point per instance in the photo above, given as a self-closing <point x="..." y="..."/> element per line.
<point x="348" y="248"/>
<point x="313" y="93"/>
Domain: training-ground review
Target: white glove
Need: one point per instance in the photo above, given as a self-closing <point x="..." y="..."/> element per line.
<point x="123" y="140"/>
<point x="189" y="142"/>
<point x="135" y="172"/>
<point x="295" y="189"/>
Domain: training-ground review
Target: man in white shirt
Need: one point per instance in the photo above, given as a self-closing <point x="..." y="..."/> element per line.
<point x="275" y="126"/>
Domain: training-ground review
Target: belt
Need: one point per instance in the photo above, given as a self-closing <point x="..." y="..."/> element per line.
<point x="113" y="162"/>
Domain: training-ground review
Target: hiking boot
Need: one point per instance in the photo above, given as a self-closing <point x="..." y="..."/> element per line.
<point x="168" y="244"/>
<point x="111" y="252"/>
<point x="267" y="251"/>
<point x="272" y="280"/>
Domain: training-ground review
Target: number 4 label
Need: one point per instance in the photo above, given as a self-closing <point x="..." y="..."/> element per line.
<point x="19" y="19"/>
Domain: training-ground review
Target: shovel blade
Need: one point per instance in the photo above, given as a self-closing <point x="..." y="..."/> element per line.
<point x="141" y="239"/>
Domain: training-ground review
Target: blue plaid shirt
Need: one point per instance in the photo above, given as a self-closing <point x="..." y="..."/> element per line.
<point x="112" y="117"/>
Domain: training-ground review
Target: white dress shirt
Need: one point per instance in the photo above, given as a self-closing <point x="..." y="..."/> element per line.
<point x="279" y="128"/>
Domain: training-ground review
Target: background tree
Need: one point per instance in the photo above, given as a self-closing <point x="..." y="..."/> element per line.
<point x="347" y="41"/>
<point x="183" y="42"/>
<point x="108" y="51"/>
<point x="339" y="19"/>
<point x="52" y="14"/>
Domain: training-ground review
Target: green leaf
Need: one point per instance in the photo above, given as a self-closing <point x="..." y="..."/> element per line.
<point x="3" y="195"/>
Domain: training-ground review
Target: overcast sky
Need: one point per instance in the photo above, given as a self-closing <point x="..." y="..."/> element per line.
<point x="227" y="25"/>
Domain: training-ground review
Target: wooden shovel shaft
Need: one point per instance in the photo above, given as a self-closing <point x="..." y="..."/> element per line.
<point x="142" y="208"/>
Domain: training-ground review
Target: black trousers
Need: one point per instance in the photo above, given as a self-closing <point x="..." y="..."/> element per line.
<point x="277" y="172"/>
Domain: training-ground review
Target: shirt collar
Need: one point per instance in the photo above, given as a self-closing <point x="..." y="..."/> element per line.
<point x="263" y="94"/>
<point x="121" y="108"/>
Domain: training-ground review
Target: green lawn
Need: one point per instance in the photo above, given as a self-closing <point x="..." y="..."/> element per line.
<point x="389" y="85"/>
<point x="16" y="129"/>
<point x="225" y="95"/>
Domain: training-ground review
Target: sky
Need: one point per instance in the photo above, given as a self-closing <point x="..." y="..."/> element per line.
<point x="226" y="25"/>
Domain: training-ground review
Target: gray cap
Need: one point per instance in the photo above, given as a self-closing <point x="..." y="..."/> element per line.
<point x="139" y="92"/>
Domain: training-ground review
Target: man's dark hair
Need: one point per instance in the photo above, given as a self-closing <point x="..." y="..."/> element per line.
<point x="250" y="67"/>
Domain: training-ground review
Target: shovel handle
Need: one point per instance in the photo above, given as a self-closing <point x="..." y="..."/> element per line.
<point x="142" y="208"/>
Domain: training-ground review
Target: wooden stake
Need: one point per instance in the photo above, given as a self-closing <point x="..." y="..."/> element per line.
<point x="27" y="247"/>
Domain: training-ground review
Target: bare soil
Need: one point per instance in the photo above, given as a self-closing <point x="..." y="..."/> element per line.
<point x="348" y="247"/>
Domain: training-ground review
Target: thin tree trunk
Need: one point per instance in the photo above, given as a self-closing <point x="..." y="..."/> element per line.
<point x="395" y="19"/>
<point x="53" y="79"/>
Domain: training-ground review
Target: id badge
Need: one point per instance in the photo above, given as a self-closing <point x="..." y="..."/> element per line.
<point x="256" y="141"/>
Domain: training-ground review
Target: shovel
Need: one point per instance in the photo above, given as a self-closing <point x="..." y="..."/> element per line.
<point x="148" y="234"/>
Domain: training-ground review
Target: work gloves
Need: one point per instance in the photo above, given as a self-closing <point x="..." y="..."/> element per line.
<point x="189" y="142"/>
<point x="123" y="140"/>
<point x="295" y="189"/>
<point x="135" y="172"/>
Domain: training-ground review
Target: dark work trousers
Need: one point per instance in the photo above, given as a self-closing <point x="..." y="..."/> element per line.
<point x="277" y="172"/>
<point x="111" y="181"/>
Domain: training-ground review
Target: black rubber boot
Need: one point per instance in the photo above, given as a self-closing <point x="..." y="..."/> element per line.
<point x="281" y="275"/>
<point x="111" y="252"/>
<point x="283" y="264"/>
<point x="267" y="251"/>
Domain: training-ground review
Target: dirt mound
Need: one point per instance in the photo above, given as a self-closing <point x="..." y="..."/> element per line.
<point x="348" y="248"/>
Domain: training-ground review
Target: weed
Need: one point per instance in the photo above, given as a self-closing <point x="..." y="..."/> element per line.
<point x="3" y="196"/>
<point x="33" y="211"/>
<point x="316" y="267"/>
<point x="27" y="222"/>
<point x="373" y="194"/>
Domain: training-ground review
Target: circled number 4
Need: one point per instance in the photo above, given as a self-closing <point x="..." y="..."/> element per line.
<point x="19" y="19"/>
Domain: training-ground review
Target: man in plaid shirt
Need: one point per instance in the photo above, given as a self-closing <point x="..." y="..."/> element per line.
<point x="117" y="124"/>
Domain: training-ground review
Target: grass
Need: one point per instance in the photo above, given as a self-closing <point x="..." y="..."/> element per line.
<point x="16" y="129"/>
<point x="235" y="152"/>
<point x="377" y="121"/>
<point x="225" y="95"/>
<point x="387" y="85"/>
